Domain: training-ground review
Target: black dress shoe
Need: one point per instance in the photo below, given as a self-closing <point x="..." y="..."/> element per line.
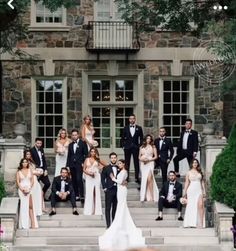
<point x="82" y="201"/>
<point x="52" y="213"/>
<point x="77" y="198"/>
<point x="137" y="181"/>
<point x="46" y="199"/>
<point x="180" y="218"/>
<point x="75" y="212"/>
<point x="159" y="218"/>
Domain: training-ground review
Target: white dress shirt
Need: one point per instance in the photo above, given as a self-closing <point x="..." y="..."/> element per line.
<point x="40" y="157"/>
<point x="132" y="130"/>
<point x="185" y="140"/>
<point x="170" y="191"/>
<point x="75" y="145"/>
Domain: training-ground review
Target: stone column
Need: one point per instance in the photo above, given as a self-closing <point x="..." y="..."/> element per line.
<point x="11" y="153"/>
<point x="210" y="148"/>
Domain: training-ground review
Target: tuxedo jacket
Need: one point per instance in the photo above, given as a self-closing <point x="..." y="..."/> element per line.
<point x="107" y="182"/>
<point x="128" y="141"/>
<point x="166" y="151"/>
<point x="36" y="159"/>
<point x="56" y="185"/>
<point x="178" y="189"/>
<point x="192" y="144"/>
<point x="77" y="158"/>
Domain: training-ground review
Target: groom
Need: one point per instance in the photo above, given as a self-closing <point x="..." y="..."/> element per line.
<point x="110" y="188"/>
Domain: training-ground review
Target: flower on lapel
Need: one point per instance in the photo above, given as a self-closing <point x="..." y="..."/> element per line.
<point x="66" y="183"/>
<point x="164" y="143"/>
<point x="174" y="188"/>
<point x="77" y="147"/>
<point x="136" y="129"/>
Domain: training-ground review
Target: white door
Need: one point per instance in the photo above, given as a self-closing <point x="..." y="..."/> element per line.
<point x="108" y="33"/>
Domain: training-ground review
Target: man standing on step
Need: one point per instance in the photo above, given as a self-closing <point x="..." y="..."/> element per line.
<point x="165" y="152"/>
<point x="110" y="188"/>
<point x="77" y="153"/>
<point x="38" y="157"/>
<point x="62" y="190"/>
<point x="187" y="146"/>
<point x="169" y="196"/>
<point x="132" y="139"/>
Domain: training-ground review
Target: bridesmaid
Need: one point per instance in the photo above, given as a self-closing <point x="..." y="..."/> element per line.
<point x="37" y="193"/>
<point x="87" y="132"/>
<point x="25" y="182"/>
<point x="92" y="168"/>
<point x="61" y="149"/>
<point x="147" y="157"/>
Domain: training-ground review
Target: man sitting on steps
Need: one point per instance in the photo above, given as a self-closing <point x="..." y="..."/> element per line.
<point x="62" y="190"/>
<point x="169" y="196"/>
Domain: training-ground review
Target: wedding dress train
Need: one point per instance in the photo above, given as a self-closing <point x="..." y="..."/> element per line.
<point x="122" y="233"/>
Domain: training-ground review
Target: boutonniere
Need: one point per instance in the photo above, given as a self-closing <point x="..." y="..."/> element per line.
<point x="66" y="183"/>
<point x="42" y="153"/>
<point x="136" y="128"/>
<point x="190" y="133"/>
<point x="174" y="188"/>
<point x="164" y="143"/>
<point x="77" y="147"/>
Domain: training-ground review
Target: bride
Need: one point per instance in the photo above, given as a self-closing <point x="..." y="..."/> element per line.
<point x="122" y="233"/>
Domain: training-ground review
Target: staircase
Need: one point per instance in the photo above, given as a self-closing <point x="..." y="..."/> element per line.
<point x="65" y="231"/>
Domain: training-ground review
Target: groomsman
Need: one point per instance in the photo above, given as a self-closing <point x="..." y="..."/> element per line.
<point x="132" y="139"/>
<point x="38" y="157"/>
<point x="110" y="188"/>
<point x="77" y="153"/>
<point x="187" y="145"/>
<point x="170" y="194"/>
<point x="165" y="152"/>
<point x="62" y="190"/>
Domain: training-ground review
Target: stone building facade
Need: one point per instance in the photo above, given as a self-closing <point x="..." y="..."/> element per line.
<point x="64" y="82"/>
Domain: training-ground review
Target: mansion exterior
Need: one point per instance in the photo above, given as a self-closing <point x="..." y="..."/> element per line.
<point x="88" y="61"/>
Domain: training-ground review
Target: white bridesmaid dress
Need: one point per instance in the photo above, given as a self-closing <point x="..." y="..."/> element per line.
<point x="146" y="169"/>
<point x="194" y="191"/>
<point x="122" y="234"/>
<point x="24" y="219"/>
<point x="93" y="203"/>
<point x="61" y="156"/>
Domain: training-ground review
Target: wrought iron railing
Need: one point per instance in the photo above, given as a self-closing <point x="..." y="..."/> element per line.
<point x="112" y="36"/>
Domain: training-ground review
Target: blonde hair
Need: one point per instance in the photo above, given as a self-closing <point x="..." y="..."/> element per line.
<point x="59" y="134"/>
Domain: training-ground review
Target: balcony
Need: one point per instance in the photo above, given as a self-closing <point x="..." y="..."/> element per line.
<point x="112" y="37"/>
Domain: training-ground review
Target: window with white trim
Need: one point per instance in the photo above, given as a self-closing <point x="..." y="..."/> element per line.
<point x="176" y="105"/>
<point x="49" y="110"/>
<point x="42" y="16"/>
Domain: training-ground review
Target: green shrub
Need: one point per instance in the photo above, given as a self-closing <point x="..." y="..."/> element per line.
<point x="2" y="189"/>
<point x="223" y="179"/>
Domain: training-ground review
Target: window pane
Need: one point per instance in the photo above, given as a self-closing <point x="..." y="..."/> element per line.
<point x="167" y="97"/>
<point x="167" y="86"/>
<point x="176" y="85"/>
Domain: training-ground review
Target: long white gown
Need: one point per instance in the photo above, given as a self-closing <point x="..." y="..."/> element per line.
<point x="37" y="193"/>
<point x="24" y="219"/>
<point x="61" y="156"/>
<point x="122" y="234"/>
<point x="93" y="203"/>
<point x="194" y="191"/>
<point x="146" y="169"/>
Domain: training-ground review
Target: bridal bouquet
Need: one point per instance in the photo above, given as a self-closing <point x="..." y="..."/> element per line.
<point x="94" y="143"/>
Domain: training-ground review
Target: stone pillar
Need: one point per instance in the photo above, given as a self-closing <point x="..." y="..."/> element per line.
<point x="210" y="148"/>
<point x="223" y="222"/>
<point x="11" y="153"/>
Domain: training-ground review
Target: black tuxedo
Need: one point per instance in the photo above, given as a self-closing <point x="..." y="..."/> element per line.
<point x="165" y="153"/>
<point x="131" y="146"/>
<point x="110" y="189"/>
<point x="177" y="192"/>
<point x="35" y="156"/>
<point x="192" y="146"/>
<point x="56" y="187"/>
<point x="75" y="161"/>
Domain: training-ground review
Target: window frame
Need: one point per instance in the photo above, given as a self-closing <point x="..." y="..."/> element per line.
<point x="34" y="108"/>
<point x="191" y="100"/>
<point x="47" y="26"/>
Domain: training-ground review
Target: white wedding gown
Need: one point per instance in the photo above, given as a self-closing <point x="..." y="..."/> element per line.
<point x="93" y="203"/>
<point x="122" y="234"/>
<point x="146" y="170"/>
<point x="194" y="191"/>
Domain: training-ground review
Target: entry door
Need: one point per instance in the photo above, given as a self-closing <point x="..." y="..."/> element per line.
<point x="109" y="122"/>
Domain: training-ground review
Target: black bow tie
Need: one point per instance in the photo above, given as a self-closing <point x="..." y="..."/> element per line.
<point x="187" y="131"/>
<point x="161" y="138"/>
<point x="131" y="126"/>
<point x="75" y="142"/>
<point x="172" y="183"/>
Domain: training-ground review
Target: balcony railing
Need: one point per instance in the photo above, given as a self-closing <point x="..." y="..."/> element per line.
<point x="105" y="36"/>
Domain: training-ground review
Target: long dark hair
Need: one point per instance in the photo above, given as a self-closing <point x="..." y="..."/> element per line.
<point x="20" y="167"/>
<point x="97" y="153"/>
<point x="145" y="140"/>
<point x="198" y="167"/>
<point x="123" y="161"/>
<point x="25" y="153"/>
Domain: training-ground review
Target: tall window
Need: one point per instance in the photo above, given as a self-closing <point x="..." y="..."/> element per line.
<point x="49" y="110"/>
<point x="177" y="105"/>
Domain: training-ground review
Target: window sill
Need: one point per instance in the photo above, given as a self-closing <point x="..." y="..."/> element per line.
<point x="49" y="28"/>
